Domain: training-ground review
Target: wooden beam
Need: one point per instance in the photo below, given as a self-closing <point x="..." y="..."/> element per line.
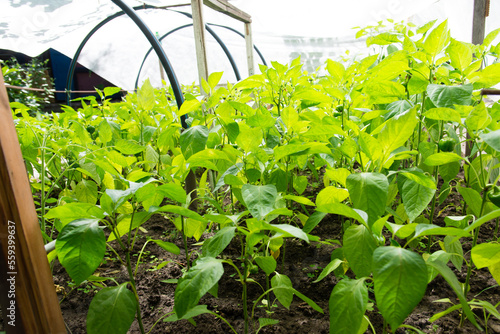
<point x="479" y="21"/>
<point x="27" y="294"/>
<point x="249" y="48"/>
<point x="225" y="7"/>
<point x="199" y="39"/>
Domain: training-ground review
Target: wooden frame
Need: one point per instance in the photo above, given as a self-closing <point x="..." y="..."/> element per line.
<point x="27" y="295"/>
<point x="224" y="7"/>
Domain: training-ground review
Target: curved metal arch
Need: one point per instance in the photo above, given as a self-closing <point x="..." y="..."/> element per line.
<point x="214" y="35"/>
<point x="130" y="11"/>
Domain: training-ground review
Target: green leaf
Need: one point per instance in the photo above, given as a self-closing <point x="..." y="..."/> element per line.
<point x="478" y="118"/>
<point x="72" y="211"/>
<point x="415" y="197"/>
<point x="485" y="255"/>
<point x="289" y="231"/>
<point x="284" y="296"/>
<point x="397" y="131"/>
<point x="248" y="139"/>
<point x="328" y="269"/>
<point x="300" y="183"/>
<point x="129" y="147"/>
<point x="193" y="140"/>
<point x="146" y="96"/>
<point x="347" y="305"/>
<point x="487" y="77"/>
<point x="335" y="69"/>
<point x="259" y="200"/>
<point x="420" y="178"/>
<point x="444" y="114"/>
<point x="460" y="54"/>
<point x="492" y="138"/>
<point x="109" y="91"/>
<point x="313" y="220"/>
<point x="105" y="132"/>
<point x="289" y="150"/>
<point x="80" y="248"/>
<point x="195" y="284"/>
<point x="400" y="279"/>
<point x="299" y="199"/>
<point x="368" y="192"/>
<point x="216" y="244"/>
<point x="112" y="311"/>
<point x="359" y="246"/>
<point x="447" y="96"/>
<point x="214" y="78"/>
<point x="441" y="256"/>
<point x="263" y="322"/>
<point x="330" y="195"/>
<point x="86" y="191"/>
<point x="266" y="263"/>
<point x="442" y="158"/>
<point x="168" y="246"/>
<point x="452" y="280"/>
<point x="188" y="106"/>
<point x="194" y="312"/>
<point x="472" y="198"/>
<point x="454" y="247"/>
<point x="345" y="210"/>
<point x="436" y="42"/>
<point x="182" y="211"/>
<point x="173" y="191"/>
<point x="384" y="38"/>
<point x="384" y="91"/>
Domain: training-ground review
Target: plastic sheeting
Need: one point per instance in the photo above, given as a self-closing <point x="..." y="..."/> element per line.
<point x="282" y="29"/>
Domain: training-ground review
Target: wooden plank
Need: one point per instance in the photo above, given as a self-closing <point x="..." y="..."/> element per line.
<point x="479" y="21"/>
<point x="199" y="40"/>
<point x="249" y="49"/>
<point x="225" y="7"/>
<point x="34" y="307"/>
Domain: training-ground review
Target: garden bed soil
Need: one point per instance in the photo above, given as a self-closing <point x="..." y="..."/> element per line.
<point x="303" y="263"/>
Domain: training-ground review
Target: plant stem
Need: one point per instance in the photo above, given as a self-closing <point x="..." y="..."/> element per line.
<point x="420" y="128"/>
<point x="184" y="239"/>
<point x="132" y="284"/>
<point x="474" y="242"/>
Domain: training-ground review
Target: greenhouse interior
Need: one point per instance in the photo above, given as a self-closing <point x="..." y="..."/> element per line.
<point x="237" y="166"/>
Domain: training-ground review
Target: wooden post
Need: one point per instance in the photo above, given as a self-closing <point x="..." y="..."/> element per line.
<point x="27" y="295"/>
<point x="249" y="47"/>
<point x="200" y="41"/>
<point x="478" y="28"/>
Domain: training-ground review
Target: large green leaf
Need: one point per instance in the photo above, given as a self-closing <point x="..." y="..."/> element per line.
<point x="400" y="279"/>
<point x="193" y="140"/>
<point x="460" y="54"/>
<point x="485" y="255"/>
<point x="478" y="118"/>
<point x="443" y="114"/>
<point x="173" y="191"/>
<point x="447" y="96"/>
<point x="415" y="197"/>
<point x="73" y="211"/>
<point x="259" y="200"/>
<point x="195" y="284"/>
<point x="347" y="305"/>
<point x="216" y="244"/>
<point x="487" y="77"/>
<point x="146" y="96"/>
<point x="347" y="211"/>
<point x="442" y="158"/>
<point x="397" y="131"/>
<point x="330" y="195"/>
<point x="359" y="246"/>
<point x="368" y="192"/>
<point x="86" y="191"/>
<point x="112" y="311"/>
<point x="288" y="231"/>
<point x="437" y="40"/>
<point x="492" y="138"/>
<point x="80" y="248"/>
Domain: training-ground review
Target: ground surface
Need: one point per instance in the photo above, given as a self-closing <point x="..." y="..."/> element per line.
<point x="303" y="263"/>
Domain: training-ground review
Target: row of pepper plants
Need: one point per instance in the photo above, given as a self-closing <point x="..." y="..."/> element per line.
<point x="383" y="136"/>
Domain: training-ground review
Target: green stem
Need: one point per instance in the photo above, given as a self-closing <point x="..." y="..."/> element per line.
<point x="184" y="239"/>
<point x="420" y="127"/>
<point x="132" y="284"/>
<point x="474" y="242"/>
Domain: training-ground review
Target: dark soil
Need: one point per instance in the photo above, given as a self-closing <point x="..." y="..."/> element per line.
<point x="303" y="262"/>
